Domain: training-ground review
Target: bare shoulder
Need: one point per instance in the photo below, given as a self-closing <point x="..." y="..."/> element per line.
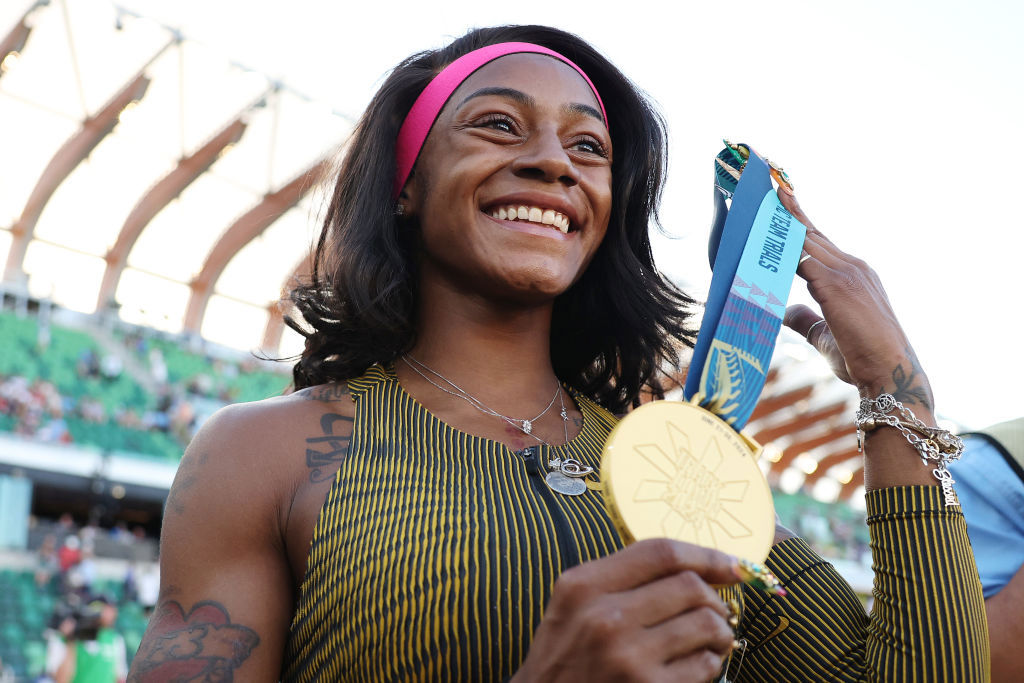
<point x="261" y="449"/>
<point x="236" y="527"/>
<point x="256" y="430"/>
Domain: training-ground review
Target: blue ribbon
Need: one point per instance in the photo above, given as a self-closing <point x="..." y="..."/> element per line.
<point x="754" y="256"/>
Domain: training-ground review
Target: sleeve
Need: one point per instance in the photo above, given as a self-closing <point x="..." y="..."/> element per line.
<point x="928" y="621"/>
<point x="56" y="649"/>
<point x="120" y="658"/>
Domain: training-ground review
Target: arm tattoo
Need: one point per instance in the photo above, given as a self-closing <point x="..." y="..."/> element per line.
<point x="325" y="393"/>
<point x="202" y="645"/>
<point x="336" y="447"/>
<point x="911" y="387"/>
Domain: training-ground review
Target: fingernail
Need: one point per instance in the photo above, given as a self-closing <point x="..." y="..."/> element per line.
<point x="759" y="576"/>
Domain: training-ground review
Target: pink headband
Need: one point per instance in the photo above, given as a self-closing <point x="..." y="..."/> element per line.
<point x="428" y="105"/>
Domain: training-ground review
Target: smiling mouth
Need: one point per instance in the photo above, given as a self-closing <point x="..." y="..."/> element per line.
<point x="533" y="214"/>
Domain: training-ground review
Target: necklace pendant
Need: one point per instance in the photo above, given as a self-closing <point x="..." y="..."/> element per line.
<point x="527" y="426"/>
<point x="571" y="467"/>
<point x="567" y="486"/>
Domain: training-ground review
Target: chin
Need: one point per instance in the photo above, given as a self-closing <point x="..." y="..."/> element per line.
<point x="532" y="288"/>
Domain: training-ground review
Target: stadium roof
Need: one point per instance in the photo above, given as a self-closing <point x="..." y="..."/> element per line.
<point x="148" y="173"/>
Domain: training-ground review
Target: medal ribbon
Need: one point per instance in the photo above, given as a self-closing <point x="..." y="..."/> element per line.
<point x="753" y="258"/>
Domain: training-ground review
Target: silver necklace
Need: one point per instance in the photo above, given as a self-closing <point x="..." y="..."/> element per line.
<point x="524" y="425"/>
<point x="566" y="475"/>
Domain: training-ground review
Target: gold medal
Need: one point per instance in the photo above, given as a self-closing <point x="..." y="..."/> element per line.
<point x="674" y="470"/>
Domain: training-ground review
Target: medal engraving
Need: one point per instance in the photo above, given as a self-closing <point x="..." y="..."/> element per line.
<point x="690" y="490"/>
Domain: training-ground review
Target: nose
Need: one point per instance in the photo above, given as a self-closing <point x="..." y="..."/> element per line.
<point x="544" y="158"/>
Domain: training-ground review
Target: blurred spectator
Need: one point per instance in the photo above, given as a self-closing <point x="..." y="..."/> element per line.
<point x="88" y="364"/>
<point x="111" y="366"/>
<point x="54" y="431"/>
<point x="6" y="674"/>
<point x="89" y="533"/>
<point x="47" y="563"/>
<point x="86" y="648"/>
<point x="182" y="422"/>
<point x="70" y="553"/>
<point x="120" y="533"/>
<point x="82" y="576"/>
<point x="65" y="526"/>
<point x="148" y="582"/>
<point x="130" y="586"/>
<point x="127" y="418"/>
<point x="91" y="410"/>
<point x="157" y="366"/>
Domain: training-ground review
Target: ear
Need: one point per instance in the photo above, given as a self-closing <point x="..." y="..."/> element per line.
<point x="408" y="199"/>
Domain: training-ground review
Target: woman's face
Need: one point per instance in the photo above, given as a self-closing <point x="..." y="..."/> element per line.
<point x="513" y="187"/>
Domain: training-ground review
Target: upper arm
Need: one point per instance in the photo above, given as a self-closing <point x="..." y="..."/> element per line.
<point x="225" y="595"/>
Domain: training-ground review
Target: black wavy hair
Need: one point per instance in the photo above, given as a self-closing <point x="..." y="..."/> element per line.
<point x="613" y="331"/>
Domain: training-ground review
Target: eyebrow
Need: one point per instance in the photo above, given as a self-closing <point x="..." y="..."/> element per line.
<point x="522" y="98"/>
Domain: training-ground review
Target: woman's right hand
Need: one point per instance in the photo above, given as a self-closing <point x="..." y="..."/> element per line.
<point x="645" y="613"/>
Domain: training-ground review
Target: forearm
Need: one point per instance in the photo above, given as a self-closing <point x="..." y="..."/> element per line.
<point x="1006" y="629"/>
<point x="928" y="618"/>
<point x="66" y="671"/>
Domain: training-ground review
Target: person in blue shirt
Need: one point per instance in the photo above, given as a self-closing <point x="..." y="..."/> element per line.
<point x="990" y="484"/>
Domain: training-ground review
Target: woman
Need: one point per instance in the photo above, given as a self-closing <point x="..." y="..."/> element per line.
<point x="481" y="306"/>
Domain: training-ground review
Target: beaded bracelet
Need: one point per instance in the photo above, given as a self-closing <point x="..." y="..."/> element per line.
<point x="931" y="443"/>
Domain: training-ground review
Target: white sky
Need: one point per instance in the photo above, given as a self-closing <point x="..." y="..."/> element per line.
<point x="899" y="122"/>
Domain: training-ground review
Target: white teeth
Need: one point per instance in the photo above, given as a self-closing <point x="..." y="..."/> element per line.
<point x="534" y="214"/>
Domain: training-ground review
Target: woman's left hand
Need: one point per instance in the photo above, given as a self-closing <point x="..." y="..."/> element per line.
<point x="860" y="336"/>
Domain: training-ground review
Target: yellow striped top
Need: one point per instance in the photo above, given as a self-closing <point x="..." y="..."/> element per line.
<point x="436" y="551"/>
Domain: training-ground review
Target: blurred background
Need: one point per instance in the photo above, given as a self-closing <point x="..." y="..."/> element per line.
<point x="161" y="170"/>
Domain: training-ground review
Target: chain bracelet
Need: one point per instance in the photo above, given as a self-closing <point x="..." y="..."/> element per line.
<point x="931" y="443"/>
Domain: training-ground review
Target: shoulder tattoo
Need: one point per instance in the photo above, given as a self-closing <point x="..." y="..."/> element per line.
<point x="329" y="448"/>
<point x="325" y="393"/>
<point x="202" y="645"/>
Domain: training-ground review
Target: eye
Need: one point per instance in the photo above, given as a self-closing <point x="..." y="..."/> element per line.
<point x="589" y="145"/>
<point x="498" y="122"/>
